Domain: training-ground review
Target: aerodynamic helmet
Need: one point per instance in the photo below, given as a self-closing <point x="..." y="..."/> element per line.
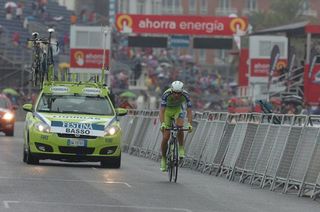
<point x="177" y="86"/>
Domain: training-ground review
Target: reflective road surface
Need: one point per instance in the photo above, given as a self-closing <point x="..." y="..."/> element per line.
<point x="138" y="186"/>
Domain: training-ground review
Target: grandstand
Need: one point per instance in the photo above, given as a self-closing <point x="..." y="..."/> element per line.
<point x="15" y="60"/>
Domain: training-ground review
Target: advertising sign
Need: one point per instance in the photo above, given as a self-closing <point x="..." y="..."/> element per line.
<point x="77" y="128"/>
<point x="312" y="84"/>
<point x="186" y="25"/>
<point x="88" y="58"/>
<point x="261" y="67"/>
<point x="89" y="48"/>
<point x="179" y="41"/>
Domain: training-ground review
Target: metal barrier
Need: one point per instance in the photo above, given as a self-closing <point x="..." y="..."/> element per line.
<point x="282" y="155"/>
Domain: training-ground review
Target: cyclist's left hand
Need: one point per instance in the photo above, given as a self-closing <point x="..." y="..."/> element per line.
<point x="190" y="127"/>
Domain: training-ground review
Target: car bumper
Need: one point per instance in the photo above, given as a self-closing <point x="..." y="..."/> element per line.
<point x="6" y="125"/>
<point x="62" y="146"/>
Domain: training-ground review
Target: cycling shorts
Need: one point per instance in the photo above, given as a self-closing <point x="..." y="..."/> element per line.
<point x="173" y="113"/>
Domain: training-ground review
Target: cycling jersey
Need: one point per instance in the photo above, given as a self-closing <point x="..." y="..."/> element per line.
<point x="169" y="101"/>
<point x="175" y="107"/>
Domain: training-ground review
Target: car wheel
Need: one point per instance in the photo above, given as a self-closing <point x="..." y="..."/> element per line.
<point x="30" y="159"/>
<point x="10" y="132"/>
<point x="24" y="154"/>
<point x="111" y="162"/>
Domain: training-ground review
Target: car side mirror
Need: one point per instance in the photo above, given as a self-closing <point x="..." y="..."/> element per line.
<point x="121" y="111"/>
<point x="27" y="107"/>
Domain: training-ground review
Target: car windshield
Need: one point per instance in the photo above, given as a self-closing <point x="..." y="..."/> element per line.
<point x="4" y="103"/>
<point x="77" y="104"/>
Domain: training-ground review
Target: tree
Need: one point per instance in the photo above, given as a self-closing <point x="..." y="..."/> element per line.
<point x="281" y="12"/>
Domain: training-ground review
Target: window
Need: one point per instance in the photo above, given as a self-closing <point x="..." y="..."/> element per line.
<point x="4" y="103"/>
<point x="251" y="4"/>
<point x="306" y="5"/>
<point x="124" y="6"/>
<point x="172" y="6"/>
<point x="224" y="4"/>
<point x="203" y="7"/>
<point x="202" y="55"/>
<point x="75" y="104"/>
<point x="141" y="7"/>
<point x="156" y="7"/>
<point x="192" y="7"/>
<point x="92" y="39"/>
<point x="266" y="48"/>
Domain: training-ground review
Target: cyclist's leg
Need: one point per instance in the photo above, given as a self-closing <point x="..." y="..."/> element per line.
<point x="179" y="122"/>
<point x="165" y="139"/>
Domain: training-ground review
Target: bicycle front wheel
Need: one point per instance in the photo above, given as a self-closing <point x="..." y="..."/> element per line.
<point x="172" y="161"/>
<point x="175" y="162"/>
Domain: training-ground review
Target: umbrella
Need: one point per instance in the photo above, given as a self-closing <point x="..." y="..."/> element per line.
<point x="128" y="94"/>
<point x="10" y="4"/>
<point x="165" y="65"/>
<point x="294" y="99"/>
<point x="10" y="91"/>
<point x="186" y="58"/>
<point x="64" y="65"/>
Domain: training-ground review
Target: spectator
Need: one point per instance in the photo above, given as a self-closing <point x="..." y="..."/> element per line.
<point x="307" y="109"/>
<point x="317" y="110"/>
<point x="9" y="13"/>
<point x="16" y="38"/>
<point x="73" y="18"/>
<point x="93" y="17"/>
<point x="66" y="41"/>
<point x="84" y="15"/>
<point x="34" y="7"/>
<point x="19" y="11"/>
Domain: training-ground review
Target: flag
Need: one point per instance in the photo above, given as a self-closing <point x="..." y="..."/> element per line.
<point x="275" y="56"/>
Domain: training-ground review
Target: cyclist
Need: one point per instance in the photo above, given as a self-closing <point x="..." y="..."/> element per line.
<point x="175" y="104"/>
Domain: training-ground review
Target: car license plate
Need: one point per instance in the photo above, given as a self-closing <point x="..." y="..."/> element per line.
<point x="77" y="142"/>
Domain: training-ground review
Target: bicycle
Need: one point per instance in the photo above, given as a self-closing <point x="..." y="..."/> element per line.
<point x="43" y="63"/>
<point x="36" y="58"/>
<point x="173" y="152"/>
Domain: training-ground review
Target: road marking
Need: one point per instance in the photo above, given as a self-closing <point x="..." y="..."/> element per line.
<point x="63" y="180"/>
<point x="8" y="202"/>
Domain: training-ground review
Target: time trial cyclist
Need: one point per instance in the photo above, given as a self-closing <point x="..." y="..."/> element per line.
<point x="175" y="104"/>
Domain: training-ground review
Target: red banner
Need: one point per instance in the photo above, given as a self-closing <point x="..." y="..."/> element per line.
<point x="243" y="67"/>
<point x="186" y="25"/>
<point x="88" y="58"/>
<point x="312" y="85"/>
<point x="261" y="67"/>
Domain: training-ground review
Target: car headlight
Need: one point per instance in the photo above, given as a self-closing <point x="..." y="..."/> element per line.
<point x="112" y="130"/>
<point x="42" y="127"/>
<point x="8" y="116"/>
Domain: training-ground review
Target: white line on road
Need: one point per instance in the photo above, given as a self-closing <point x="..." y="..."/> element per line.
<point x="63" y="180"/>
<point x="6" y="204"/>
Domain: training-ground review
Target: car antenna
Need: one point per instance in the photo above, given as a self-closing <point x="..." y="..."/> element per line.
<point x="106" y="32"/>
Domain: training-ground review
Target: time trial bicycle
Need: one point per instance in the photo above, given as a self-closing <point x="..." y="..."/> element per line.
<point x="173" y="152"/>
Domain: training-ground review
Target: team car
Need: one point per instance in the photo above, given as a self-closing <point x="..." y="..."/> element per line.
<point x="7" y="115"/>
<point x="73" y="122"/>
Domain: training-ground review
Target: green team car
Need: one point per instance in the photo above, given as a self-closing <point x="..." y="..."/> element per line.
<point x="73" y="122"/>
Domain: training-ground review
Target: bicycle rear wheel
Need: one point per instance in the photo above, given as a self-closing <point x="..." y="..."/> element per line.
<point x="170" y="160"/>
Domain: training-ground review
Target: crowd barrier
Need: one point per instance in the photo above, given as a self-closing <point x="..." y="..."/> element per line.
<point x="281" y="155"/>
